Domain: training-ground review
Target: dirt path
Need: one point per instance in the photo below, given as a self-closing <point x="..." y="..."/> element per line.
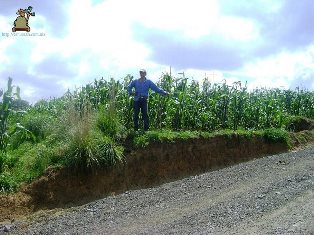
<point x="296" y="217"/>
<point x="271" y="195"/>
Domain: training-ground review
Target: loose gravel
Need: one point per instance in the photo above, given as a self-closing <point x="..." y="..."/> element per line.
<point x="270" y="195"/>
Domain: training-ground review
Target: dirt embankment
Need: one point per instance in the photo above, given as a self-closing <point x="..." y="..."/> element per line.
<point x="269" y="195"/>
<point x="150" y="166"/>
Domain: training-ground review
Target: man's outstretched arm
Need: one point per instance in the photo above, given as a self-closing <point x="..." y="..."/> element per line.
<point x="157" y="89"/>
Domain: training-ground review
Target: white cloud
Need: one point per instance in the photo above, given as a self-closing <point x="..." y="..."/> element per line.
<point x="192" y="18"/>
<point x="280" y="70"/>
<point x="235" y="28"/>
<point x="104" y="31"/>
<point x="4" y="59"/>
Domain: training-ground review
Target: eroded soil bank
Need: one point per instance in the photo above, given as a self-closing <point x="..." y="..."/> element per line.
<point x="158" y="163"/>
<point x="269" y="195"/>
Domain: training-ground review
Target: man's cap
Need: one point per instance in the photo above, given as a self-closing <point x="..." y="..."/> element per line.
<point x="143" y="70"/>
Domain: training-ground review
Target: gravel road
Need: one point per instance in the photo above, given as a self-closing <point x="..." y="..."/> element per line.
<point x="270" y="195"/>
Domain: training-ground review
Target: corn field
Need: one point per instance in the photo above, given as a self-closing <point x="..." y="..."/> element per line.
<point x="197" y="106"/>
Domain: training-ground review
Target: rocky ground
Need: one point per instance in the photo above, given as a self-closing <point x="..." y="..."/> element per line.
<point x="270" y="195"/>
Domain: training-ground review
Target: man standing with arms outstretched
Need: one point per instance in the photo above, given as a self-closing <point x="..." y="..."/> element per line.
<point x="142" y="86"/>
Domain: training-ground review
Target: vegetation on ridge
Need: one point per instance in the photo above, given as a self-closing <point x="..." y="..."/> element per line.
<point x="88" y="128"/>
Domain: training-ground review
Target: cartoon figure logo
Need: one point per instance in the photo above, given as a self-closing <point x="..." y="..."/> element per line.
<point x="21" y="22"/>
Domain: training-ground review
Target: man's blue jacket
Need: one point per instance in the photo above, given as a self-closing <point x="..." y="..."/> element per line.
<point x="142" y="88"/>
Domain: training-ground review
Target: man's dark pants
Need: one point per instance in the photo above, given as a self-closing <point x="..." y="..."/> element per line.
<point x="141" y="105"/>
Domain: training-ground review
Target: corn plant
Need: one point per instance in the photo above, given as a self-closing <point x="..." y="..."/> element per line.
<point x="8" y="97"/>
<point x="194" y="105"/>
<point x="237" y="106"/>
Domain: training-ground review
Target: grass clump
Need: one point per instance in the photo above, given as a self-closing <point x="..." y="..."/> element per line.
<point x="108" y="122"/>
<point x="87" y="142"/>
<point x="273" y="135"/>
<point x="145" y="138"/>
<point x="88" y="151"/>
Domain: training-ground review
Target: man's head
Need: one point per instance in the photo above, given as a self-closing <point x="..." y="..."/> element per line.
<point x="143" y="73"/>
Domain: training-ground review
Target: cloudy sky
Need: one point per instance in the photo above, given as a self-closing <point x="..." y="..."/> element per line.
<point x="268" y="43"/>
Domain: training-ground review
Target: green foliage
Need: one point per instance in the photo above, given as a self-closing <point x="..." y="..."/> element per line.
<point x="24" y="164"/>
<point x="248" y="134"/>
<point x="38" y="124"/>
<point x="88" y="151"/>
<point x="29" y="161"/>
<point x="7" y="182"/>
<point x="273" y="135"/>
<point x="143" y="139"/>
<point x="3" y="156"/>
<point x="299" y="123"/>
<point x="109" y="123"/>
<point x="194" y="105"/>
<point x="211" y="107"/>
<point x="85" y="129"/>
<point x="20" y="135"/>
<point x="8" y="97"/>
<point x="84" y="146"/>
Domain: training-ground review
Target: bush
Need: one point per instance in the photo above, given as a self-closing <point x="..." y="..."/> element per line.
<point x="7" y="182"/>
<point x="84" y="146"/>
<point x="19" y="136"/>
<point x="298" y="123"/>
<point x="28" y="162"/>
<point x="273" y="135"/>
<point x="32" y="126"/>
<point x="39" y="125"/>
